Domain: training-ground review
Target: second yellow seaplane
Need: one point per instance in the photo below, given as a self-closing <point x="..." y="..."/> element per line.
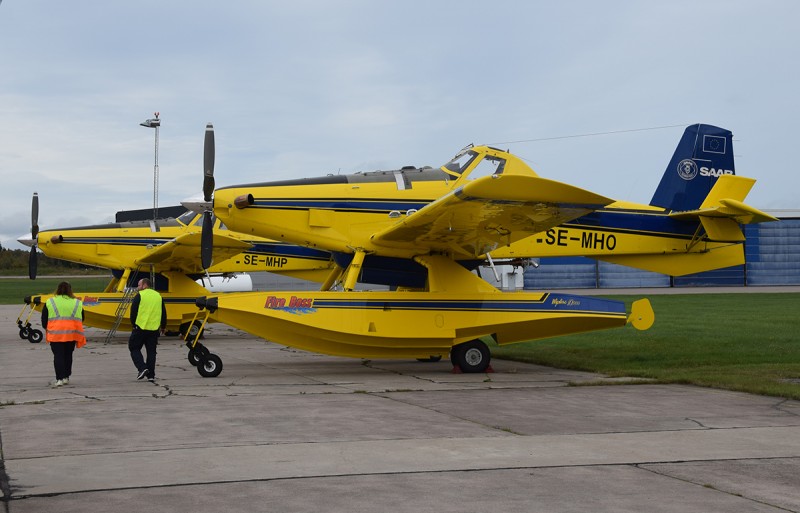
<point x="169" y="251"/>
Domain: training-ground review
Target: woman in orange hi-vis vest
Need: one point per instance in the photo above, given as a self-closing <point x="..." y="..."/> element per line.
<point x="62" y="318"/>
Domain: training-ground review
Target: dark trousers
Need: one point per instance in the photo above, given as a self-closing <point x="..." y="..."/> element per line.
<point x="62" y="358"/>
<point x="148" y="339"/>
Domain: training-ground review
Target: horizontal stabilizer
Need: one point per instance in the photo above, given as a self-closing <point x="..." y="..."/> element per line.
<point x="723" y="209"/>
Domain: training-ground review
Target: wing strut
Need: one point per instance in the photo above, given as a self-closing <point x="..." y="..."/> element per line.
<point x="354" y="270"/>
<point x="494" y="269"/>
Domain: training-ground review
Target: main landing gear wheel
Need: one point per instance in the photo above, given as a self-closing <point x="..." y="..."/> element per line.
<point x="470" y="357"/>
<point x="210" y="366"/>
<point x="193" y="329"/>
<point x="35" y="336"/>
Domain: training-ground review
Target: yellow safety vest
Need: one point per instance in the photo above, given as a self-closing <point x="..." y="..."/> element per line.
<point x="149" y="315"/>
<point x="64" y="322"/>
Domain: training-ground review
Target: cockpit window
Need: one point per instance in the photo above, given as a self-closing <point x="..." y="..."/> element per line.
<point x="461" y="162"/>
<point x="488" y="166"/>
<point x="186" y="217"/>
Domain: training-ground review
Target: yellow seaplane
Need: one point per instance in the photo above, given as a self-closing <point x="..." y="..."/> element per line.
<point x="421" y="231"/>
<point x="167" y="249"/>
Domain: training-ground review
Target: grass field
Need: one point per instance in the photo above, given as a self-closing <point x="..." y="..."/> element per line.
<point x="13" y="290"/>
<point x="746" y="342"/>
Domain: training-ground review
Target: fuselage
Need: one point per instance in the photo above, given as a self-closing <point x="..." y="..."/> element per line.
<point x="334" y="212"/>
<point x="119" y="246"/>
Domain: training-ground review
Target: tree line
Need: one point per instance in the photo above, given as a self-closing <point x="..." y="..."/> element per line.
<point x="15" y="262"/>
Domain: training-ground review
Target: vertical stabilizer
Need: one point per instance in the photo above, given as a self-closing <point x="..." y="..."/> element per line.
<point x="704" y="153"/>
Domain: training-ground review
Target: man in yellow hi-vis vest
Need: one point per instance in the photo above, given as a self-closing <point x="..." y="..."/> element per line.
<point x="148" y="318"/>
<point x="62" y="319"/>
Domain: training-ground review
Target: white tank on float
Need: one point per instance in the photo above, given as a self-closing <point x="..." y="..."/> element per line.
<point x="240" y="282"/>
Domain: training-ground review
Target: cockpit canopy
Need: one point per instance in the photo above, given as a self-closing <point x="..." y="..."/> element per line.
<point x="476" y="162"/>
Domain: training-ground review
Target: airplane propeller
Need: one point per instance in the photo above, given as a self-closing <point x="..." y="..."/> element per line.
<point x="33" y="259"/>
<point x="207" y="235"/>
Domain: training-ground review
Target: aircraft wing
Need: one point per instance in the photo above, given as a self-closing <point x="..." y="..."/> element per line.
<point x="489" y="212"/>
<point x="183" y="252"/>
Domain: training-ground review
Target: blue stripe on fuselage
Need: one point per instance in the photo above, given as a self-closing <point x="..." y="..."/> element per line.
<point x="549" y="302"/>
<point x="115" y="241"/>
<point x="287" y="250"/>
<point x="635" y="222"/>
<point x="343" y="204"/>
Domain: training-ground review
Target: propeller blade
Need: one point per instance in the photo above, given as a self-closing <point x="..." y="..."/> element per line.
<point x="35" y="216"/>
<point x="208" y="163"/>
<point x="207" y="240"/>
<point x="33" y="263"/>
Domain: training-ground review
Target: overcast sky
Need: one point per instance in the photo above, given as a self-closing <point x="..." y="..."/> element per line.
<point x="305" y="88"/>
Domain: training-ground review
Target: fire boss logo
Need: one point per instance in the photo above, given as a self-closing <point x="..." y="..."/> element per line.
<point x="295" y="303"/>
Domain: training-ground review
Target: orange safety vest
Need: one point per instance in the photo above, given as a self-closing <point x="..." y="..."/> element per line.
<point x="64" y="327"/>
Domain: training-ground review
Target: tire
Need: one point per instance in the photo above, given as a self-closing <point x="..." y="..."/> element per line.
<point x="436" y="358"/>
<point x="471" y="357"/>
<point x="210" y="367"/>
<point x="193" y="329"/>
<point x="35" y="336"/>
<point x="24" y="332"/>
<point x="454" y="354"/>
<point x="197" y="354"/>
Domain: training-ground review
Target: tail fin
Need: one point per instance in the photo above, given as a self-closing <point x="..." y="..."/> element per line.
<point x="704" y="153"/>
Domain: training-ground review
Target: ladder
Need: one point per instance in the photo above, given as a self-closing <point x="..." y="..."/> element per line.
<point x="122" y="309"/>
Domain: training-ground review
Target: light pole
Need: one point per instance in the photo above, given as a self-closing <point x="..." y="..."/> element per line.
<point x="154" y="123"/>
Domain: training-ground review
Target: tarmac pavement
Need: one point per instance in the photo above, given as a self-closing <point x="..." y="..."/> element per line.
<point x="288" y="431"/>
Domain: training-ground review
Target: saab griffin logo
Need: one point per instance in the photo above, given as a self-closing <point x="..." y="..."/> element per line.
<point x="687" y="169"/>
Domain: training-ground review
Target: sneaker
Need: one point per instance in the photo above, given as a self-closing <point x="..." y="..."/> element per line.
<point x="65" y="381"/>
<point x="151" y="380"/>
<point x="142" y="374"/>
<point x="57" y="383"/>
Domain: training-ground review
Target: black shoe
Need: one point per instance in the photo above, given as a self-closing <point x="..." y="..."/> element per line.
<point x="142" y="374"/>
<point x="151" y="380"/>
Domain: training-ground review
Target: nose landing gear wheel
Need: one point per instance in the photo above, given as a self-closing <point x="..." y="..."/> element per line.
<point x="197" y="353"/>
<point x="35" y="336"/>
<point x="210" y="366"/>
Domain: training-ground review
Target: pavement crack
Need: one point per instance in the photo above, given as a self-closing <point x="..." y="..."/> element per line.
<point x="779" y="406"/>
<point x="709" y="486"/>
<point x="463" y="419"/>
<point x="370" y="365"/>
<point x="696" y="422"/>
